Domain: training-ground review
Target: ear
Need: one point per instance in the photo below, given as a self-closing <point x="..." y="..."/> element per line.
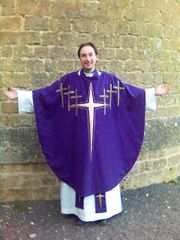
<point x="97" y="57"/>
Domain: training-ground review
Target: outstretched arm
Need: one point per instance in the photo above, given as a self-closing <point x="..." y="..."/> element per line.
<point x="25" y="99"/>
<point x="162" y="90"/>
<point x="11" y="93"/>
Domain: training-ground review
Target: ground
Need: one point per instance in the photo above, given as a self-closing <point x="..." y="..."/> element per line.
<point x="149" y="213"/>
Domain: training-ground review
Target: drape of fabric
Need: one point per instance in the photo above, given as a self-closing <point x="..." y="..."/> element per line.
<point x="90" y="159"/>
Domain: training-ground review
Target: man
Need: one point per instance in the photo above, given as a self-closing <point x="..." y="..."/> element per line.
<point x="91" y="128"/>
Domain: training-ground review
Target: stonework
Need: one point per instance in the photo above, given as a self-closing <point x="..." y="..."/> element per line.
<point x="137" y="40"/>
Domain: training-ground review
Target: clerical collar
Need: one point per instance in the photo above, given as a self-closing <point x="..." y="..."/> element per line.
<point x="89" y="74"/>
<point x="92" y="74"/>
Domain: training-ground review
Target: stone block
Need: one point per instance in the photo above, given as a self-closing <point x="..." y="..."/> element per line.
<point x="50" y="38"/>
<point x="161" y="133"/>
<point x="123" y="54"/>
<point x="8" y="7"/>
<point x="57" y="53"/>
<point x="29" y="38"/>
<point x="4" y="120"/>
<point x="60" y="23"/>
<point x="36" y="23"/>
<point x="19" y="145"/>
<point x="129" y="42"/>
<point x="9" y="38"/>
<point x="12" y="23"/>
<point x="6" y="52"/>
<point x="23" y="51"/>
<point x="41" y="52"/>
<point x="174" y="160"/>
<point x="84" y="25"/>
<point x="9" y="107"/>
<point x="20" y="80"/>
<point x="21" y="120"/>
<point x="35" y="65"/>
<point x="23" y="8"/>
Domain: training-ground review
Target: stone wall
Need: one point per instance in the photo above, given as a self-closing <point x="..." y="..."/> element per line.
<point x="137" y="39"/>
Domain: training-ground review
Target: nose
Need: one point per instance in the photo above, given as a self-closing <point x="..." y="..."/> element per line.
<point x="87" y="58"/>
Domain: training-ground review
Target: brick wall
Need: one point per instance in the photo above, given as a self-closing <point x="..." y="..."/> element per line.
<point x="138" y="40"/>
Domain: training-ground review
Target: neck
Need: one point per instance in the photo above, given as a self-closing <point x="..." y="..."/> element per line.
<point x="89" y="71"/>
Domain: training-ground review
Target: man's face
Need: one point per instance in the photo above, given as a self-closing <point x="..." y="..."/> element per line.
<point x="88" y="58"/>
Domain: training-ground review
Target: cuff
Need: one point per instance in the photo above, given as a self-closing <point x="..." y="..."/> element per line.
<point x="25" y="101"/>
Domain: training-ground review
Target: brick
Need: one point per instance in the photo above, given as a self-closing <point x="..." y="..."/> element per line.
<point x="145" y="166"/>
<point x="174" y="160"/>
<point x="57" y="52"/>
<point x="23" y="8"/>
<point x="84" y="25"/>
<point x="21" y="80"/>
<point x="36" y="23"/>
<point x="116" y="66"/>
<point x="8" y="7"/>
<point x="4" y="120"/>
<point x="30" y="38"/>
<point x="8" y="38"/>
<point x="68" y="8"/>
<point x="117" y="27"/>
<point x="41" y="52"/>
<point x="108" y="53"/>
<point x="137" y="29"/>
<point x="21" y="120"/>
<point x="6" y="51"/>
<point x="35" y="65"/>
<point x="44" y="8"/>
<point x="66" y="65"/>
<point x="129" y="42"/>
<point x="2" y="95"/>
<point x="12" y="23"/>
<point x="161" y="5"/>
<point x="154" y="30"/>
<point x="60" y="24"/>
<point x="9" y="107"/>
<point x="50" y="38"/>
<point x="159" y="164"/>
<point x="23" y="51"/>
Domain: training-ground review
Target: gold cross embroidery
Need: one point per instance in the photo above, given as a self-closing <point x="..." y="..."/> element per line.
<point x="76" y="97"/>
<point x="68" y="94"/>
<point x="100" y="197"/>
<point x="104" y="96"/>
<point x="118" y="92"/>
<point x="110" y="95"/>
<point x="61" y="89"/>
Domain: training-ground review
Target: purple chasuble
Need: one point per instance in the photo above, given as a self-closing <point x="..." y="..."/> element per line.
<point x="90" y="129"/>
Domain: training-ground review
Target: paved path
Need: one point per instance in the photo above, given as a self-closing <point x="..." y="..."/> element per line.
<point x="150" y="213"/>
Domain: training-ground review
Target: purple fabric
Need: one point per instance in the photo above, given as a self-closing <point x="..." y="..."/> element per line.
<point x="64" y="134"/>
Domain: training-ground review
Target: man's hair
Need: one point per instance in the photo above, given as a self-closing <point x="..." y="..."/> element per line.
<point x="87" y="44"/>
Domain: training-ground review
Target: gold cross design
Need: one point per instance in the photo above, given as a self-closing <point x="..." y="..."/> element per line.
<point x="68" y="93"/>
<point x="76" y="97"/>
<point x="104" y="96"/>
<point x="110" y="95"/>
<point x="118" y="92"/>
<point x="100" y="197"/>
<point x="61" y="89"/>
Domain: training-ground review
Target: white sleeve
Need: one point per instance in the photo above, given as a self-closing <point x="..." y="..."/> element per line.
<point x="25" y="101"/>
<point x="150" y="99"/>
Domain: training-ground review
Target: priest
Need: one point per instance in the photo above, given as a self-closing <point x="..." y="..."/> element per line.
<point x="91" y="127"/>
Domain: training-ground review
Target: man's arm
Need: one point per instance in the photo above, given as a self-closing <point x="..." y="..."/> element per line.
<point x="162" y="90"/>
<point x="151" y="94"/>
<point x="11" y="93"/>
<point x="25" y="100"/>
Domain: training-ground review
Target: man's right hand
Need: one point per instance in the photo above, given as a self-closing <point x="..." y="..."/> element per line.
<point x="11" y="93"/>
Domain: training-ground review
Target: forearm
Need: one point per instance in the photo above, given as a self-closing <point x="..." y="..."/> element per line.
<point x="25" y="101"/>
